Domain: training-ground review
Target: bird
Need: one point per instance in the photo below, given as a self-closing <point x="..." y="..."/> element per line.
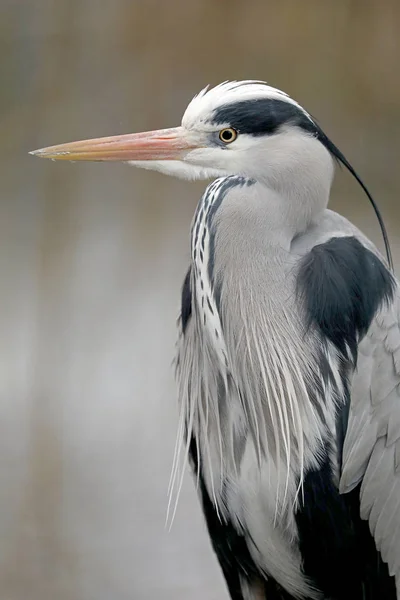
<point x="288" y="351"/>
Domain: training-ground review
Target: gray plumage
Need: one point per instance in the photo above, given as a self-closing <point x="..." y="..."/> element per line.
<point x="246" y="365"/>
<point x="372" y="445"/>
<point x="288" y="357"/>
<point x="245" y="393"/>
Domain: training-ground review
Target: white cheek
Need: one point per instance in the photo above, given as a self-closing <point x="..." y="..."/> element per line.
<point x="176" y="168"/>
<point x="222" y="157"/>
<point x="203" y="156"/>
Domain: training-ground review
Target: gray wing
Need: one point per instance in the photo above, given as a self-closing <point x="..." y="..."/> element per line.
<point x="371" y="454"/>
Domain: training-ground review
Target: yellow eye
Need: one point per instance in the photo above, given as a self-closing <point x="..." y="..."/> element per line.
<point x="228" y="135"/>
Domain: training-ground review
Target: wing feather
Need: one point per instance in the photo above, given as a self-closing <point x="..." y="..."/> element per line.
<point x="371" y="452"/>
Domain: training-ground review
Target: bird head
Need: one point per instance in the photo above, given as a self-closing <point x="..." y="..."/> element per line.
<point x="243" y="128"/>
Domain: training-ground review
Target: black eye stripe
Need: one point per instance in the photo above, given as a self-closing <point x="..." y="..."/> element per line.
<point x="261" y="116"/>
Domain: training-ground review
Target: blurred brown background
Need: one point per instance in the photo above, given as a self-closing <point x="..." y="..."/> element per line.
<point x="92" y="258"/>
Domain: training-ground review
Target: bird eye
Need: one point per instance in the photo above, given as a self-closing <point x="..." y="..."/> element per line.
<point x="228" y="135"/>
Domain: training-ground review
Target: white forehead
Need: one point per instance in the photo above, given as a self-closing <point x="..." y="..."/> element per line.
<point x="202" y="106"/>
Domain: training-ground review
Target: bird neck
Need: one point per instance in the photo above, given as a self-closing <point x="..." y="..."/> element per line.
<point x="294" y="173"/>
<point x="289" y="211"/>
<point x="271" y="215"/>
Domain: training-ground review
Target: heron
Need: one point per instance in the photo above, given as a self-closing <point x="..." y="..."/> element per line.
<point x="288" y="351"/>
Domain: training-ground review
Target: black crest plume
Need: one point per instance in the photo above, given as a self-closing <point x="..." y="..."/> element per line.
<point x="342" y="159"/>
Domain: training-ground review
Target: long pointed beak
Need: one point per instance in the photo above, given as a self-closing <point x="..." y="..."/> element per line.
<point x="163" y="144"/>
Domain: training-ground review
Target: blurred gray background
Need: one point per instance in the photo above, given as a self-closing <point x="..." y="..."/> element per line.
<point x="92" y="258"/>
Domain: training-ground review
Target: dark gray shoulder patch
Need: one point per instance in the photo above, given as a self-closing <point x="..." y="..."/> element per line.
<point x="343" y="284"/>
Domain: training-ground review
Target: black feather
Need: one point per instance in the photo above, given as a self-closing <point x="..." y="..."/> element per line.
<point x="261" y="116"/>
<point x="343" y="284"/>
<point x="186" y="301"/>
<point x="337" y="548"/>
